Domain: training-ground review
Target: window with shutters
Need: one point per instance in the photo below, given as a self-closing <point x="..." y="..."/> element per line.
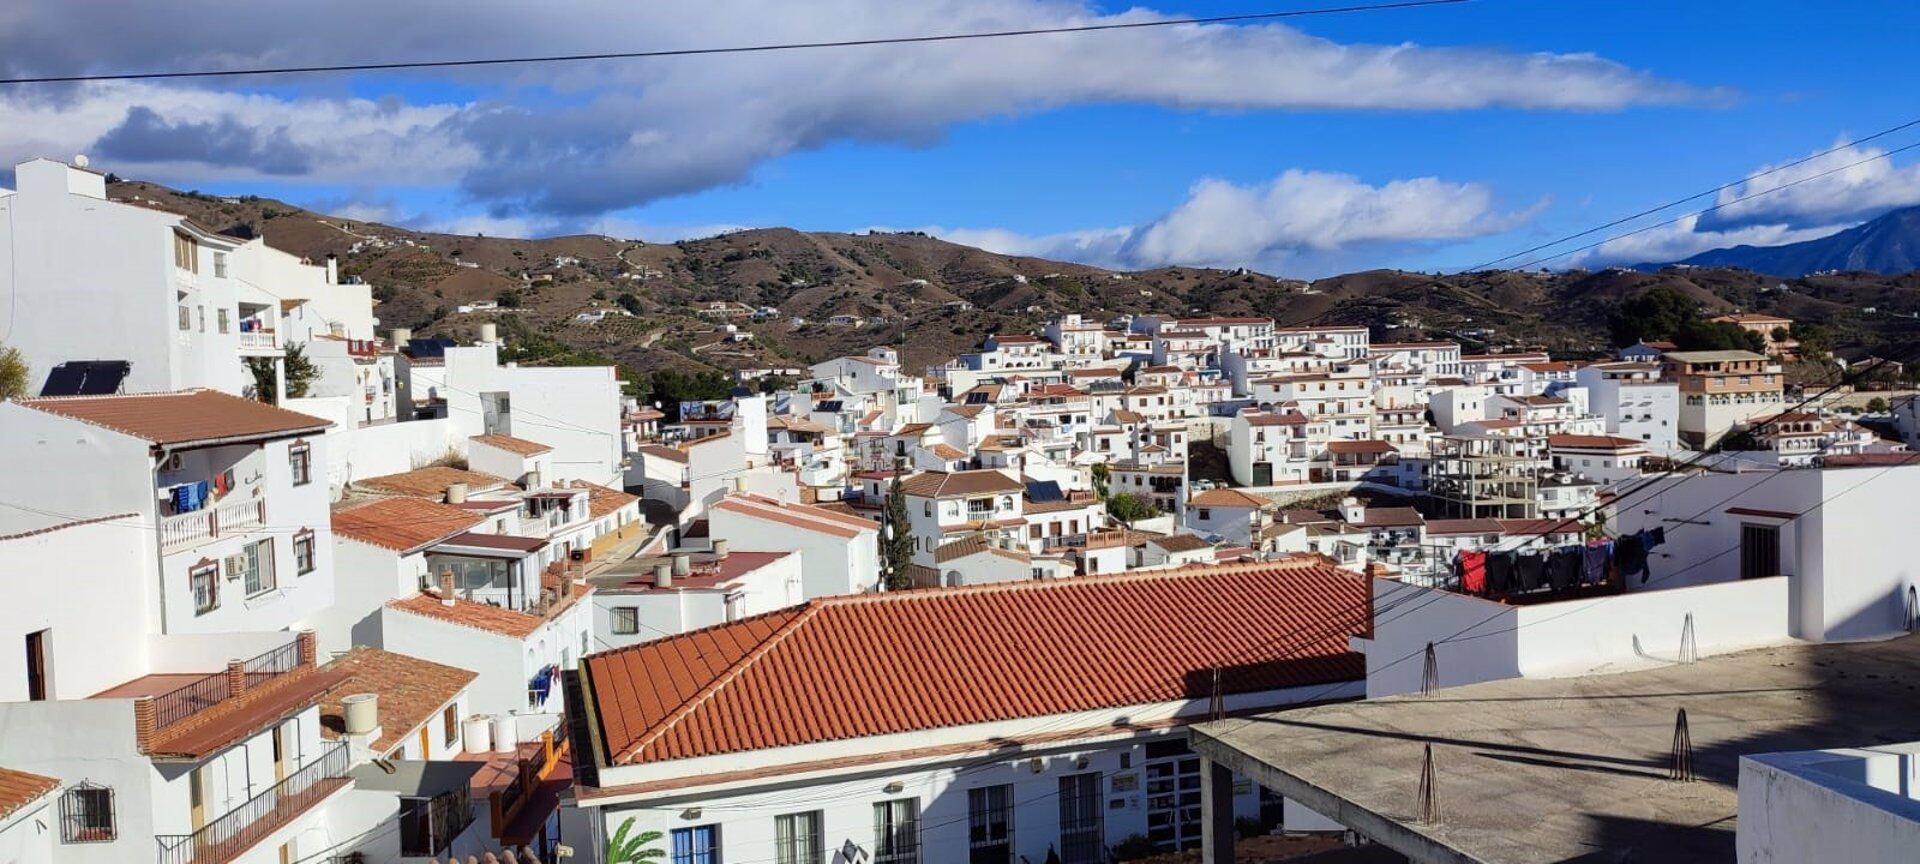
<point x="896" y="832"/>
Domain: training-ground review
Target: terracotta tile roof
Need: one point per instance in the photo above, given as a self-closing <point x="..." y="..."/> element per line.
<point x="19" y="788"/>
<point x="1227" y="498"/>
<point x="184" y="417"/>
<point x="807" y="516"/>
<point x="603" y="500"/>
<point x="1456" y="527"/>
<point x="1285" y="418"/>
<point x="975" y="545"/>
<point x="1360" y="446"/>
<point x="502" y="542"/>
<point x="912" y="429"/>
<point x="512" y="445"/>
<point x="1608" y="442"/>
<point x="955" y="484"/>
<point x="968" y="411"/>
<point x="412" y="691"/>
<point x="402" y="524"/>
<point x="1391" y="517"/>
<point x="662" y="451"/>
<point x="1180" y="543"/>
<point x="429" y="482"/>
<point x="466" y="613"/>
<point x="947" y="451"/>
<point x="964" y="656"/>
<point x="238" y="717"/>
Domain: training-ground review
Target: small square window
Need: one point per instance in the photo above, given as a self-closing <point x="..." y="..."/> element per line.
<point x="626" y="620"/>
<point x="86" y="814"/>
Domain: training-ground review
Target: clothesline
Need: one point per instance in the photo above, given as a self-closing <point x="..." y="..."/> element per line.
<point x="1508" y="572"/>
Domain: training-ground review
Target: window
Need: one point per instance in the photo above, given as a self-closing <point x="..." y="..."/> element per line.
<point x="300" y="459"/>
<point x="979" y="508"/>
<point x="1206" y="513"/>
<point x="450" y="726"/>
<point x="990" y="825"/>
<point x="186" y="318"/>
<point x="220" y="266"/>
<point x="259" y="577"/>
<point x="303" y="553"/>
<point x="206" y="587"/>
<point x="626" y="620"/>
<point x="1082" y="837"/>
<point x="1759" y="551"/>
<point x="86" y="814"/>
<point x="896" y="831"/>
<point x="226" y="321"/>
<point x="797" y="838"/>
<point x="200" y="315"/>
<point x="186" y="253"/>
<point x="697" y="845"/>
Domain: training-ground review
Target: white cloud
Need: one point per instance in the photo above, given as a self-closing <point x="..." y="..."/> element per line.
<point x="1300" y="223"/>
<point x="575" y="140"/>
<point x="1826" y="194"/>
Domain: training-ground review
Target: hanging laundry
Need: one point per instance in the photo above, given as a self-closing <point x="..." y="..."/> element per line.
<point x="1471" y="568"/>
<point x="1655" y="538"/>
<point x="1563" y="567"/>
<point x="1500" y="572"/>
<point x="1529" y="571"/>
<point x="1595" y="560"/>
<point x="1630" y="552"/>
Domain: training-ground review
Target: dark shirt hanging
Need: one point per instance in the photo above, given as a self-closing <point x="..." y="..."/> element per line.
<point x="1597" y="556"/>
<point x="1563" y="568"/>
<point x="1500" y="572"/>
<point x="1530" y="571"/>
<point x="1630" y="552"/>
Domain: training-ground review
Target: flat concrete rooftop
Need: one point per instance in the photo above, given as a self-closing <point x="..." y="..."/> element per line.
<point x="1575" y="769"/>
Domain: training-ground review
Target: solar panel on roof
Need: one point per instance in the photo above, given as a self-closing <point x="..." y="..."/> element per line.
<point x="1040" y="491"/>
<point x="86" y="378"/>
<point x="435" y="347"/>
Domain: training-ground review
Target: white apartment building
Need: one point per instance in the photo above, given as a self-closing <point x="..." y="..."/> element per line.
<point x="227" y="488"/>
<point x="840" y="553"/>
<point x="654" y="597"/>
<point x="1635" y="401"/>
<point x="942" y="504"/>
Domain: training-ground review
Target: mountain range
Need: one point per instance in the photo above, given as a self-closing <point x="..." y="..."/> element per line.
<point x="592" y="298"/>
<point x="1888" y="244"/>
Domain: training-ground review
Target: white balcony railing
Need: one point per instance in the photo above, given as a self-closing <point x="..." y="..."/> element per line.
<point x="186" y="530"/>
<point x="260" y="340"/>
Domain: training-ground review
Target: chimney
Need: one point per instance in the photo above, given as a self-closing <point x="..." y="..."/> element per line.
<point x="1352" y="510"/>
<point x="236" y="677"/>
<point x="663" y="575"/>
<point x="401" y="336"/>
<point x="457" y="493"/>
<point x="682" y="564"/>
<point x="720" y="549"/>
<point x="333" y="269"/>
<point x="145" y="721"/>
<point x="446" y="587"/>
<point x="308" y="645"/>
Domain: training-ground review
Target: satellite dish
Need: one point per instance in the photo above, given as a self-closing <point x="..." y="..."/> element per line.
<point x="80" y="160"/>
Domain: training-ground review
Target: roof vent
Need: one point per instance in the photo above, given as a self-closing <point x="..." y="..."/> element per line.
<point x="663" y="575"/>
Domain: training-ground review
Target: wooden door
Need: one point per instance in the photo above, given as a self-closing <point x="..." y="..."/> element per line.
<point x="279" y="753"/>
<point x="37" y="666"/>
<point x="426" y="745"/>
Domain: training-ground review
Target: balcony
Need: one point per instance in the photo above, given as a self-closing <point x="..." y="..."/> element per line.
<point x="184" y="531"/>
<point x="231" y="835"/>
<point x="260" y="341"/>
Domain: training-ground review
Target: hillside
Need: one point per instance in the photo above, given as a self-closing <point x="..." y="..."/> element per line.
<point x="935" y="299"/>
<point x="1889" y="244"/>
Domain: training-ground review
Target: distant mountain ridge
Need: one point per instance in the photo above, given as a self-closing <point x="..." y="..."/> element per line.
<point x="1888" y="245"/>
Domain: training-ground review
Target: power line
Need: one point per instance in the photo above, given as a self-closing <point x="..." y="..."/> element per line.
<point x="734" y="49"/>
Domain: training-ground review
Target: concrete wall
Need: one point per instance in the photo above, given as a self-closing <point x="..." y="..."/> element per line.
<point x="830" y="566"/>
<point x="374" y="451"/>
<point x="1853" y="805"/>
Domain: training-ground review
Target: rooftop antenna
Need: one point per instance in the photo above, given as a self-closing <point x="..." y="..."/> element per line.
<point x="1430" y="679"/>
<point x="1429" y="802"/>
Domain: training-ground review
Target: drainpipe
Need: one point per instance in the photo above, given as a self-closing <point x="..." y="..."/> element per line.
<point x="159" y="545"/>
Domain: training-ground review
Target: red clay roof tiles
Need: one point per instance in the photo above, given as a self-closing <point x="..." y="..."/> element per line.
<point x="402" y="524"/>
<point x="962" y="656"/>
<point x="184" y="417"/>
<point x="19" y="788"/>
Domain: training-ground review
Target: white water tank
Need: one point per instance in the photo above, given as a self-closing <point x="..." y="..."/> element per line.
<point x="506" y="733"/>
<point x="489" y="334"/>
<point x="476" y="734"/>
<point x="362" y="712"/>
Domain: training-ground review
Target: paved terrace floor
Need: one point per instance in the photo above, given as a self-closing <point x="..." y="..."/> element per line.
<point x="1575" y="769"/>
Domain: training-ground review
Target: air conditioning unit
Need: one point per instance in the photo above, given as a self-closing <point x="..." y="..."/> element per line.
<point x="234" y="566"/>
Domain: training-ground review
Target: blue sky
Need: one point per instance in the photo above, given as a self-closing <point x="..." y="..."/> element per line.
<point x="1085" y="146"/>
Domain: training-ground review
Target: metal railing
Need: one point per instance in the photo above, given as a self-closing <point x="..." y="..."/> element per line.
<point x="190" y="699"/>
<point x="187" y="530"/>
<point x="225" y="838"/>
